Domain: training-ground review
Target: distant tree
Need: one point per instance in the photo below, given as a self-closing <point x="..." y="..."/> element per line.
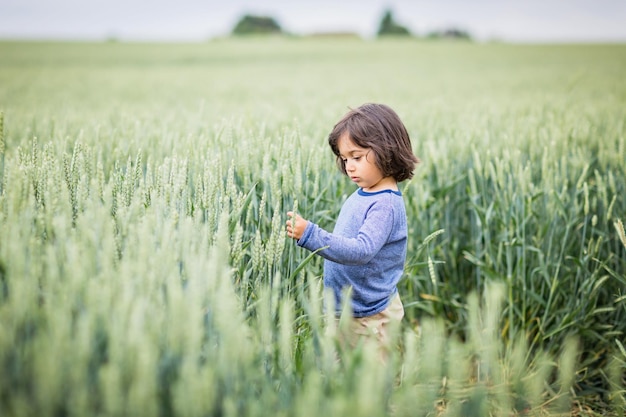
<point x="250" y="24"/>
<point x="388" y="26"/>
<point x="451" y="33"/>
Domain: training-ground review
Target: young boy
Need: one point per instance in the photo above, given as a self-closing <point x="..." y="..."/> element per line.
<point x="367" y="248"/>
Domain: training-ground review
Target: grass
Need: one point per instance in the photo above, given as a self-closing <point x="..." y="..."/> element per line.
<point x="144" y="267"/>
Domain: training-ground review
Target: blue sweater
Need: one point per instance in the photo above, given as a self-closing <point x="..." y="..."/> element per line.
<point x="366" y="250"/>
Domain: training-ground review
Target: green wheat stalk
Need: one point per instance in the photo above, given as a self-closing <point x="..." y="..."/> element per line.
<point x="619" y="226"/>
<point x="2" y="150"/>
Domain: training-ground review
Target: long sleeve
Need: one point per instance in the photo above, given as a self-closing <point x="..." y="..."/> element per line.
<point x="359" y="250"/>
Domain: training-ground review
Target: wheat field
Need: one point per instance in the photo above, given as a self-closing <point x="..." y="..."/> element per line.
<point x="145" y="270"/>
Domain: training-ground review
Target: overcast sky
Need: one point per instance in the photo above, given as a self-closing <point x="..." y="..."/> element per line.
<point x="198" y="20"/>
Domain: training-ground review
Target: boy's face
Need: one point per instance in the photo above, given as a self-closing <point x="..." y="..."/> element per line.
<point x="360" y="165"/>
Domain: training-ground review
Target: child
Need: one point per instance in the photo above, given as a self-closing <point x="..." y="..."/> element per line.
<point x="367" y="248"/>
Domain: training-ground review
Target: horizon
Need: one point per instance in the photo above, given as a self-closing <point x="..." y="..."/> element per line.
<point x="534" y="21"/>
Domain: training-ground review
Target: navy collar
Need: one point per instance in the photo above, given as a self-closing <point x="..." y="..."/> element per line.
<point x="366" y="194"/>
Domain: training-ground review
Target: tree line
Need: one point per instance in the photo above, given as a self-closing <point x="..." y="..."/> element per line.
<point x="250" y="24"/>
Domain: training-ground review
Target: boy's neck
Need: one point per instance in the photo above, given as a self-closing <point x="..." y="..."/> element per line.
<point x="387" y="183"/>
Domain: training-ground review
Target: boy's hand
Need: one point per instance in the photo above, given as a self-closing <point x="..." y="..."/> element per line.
<point x="295" y="226"/>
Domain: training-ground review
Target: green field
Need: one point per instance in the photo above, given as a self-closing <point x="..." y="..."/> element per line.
<point x="145" y="270"/>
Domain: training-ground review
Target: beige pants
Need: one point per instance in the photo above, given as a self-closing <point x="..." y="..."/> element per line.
<point x="377" y="328"/>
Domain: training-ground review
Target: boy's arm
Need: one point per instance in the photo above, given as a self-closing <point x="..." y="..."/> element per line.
<point x="359" y="250"/>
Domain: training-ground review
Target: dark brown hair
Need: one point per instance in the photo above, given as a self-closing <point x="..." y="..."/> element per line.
<point x="377" y="127"/>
